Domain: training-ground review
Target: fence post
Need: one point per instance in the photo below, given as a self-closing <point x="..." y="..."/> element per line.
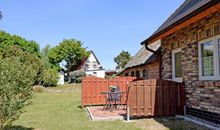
<point x="128" y="114"/>
<point x="184" y="110"/>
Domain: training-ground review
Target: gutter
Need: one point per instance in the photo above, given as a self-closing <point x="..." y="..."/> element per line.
<point x="159" y="56"/>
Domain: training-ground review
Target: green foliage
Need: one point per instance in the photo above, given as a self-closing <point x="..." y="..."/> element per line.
<point x="70" y="51"/>
<point x="15" y="89"/>
<point x="122" y="59"/>
<point x="7" y="39"/>
<point x="25" y="57"/>
<point x="50" y="78"/>
<point x="76" y="76"/>
<point x="44" y="55"/>
<point x="0" y="15"/>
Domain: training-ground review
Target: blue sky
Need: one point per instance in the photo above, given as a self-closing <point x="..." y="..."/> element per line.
<point x="105" y="26"/>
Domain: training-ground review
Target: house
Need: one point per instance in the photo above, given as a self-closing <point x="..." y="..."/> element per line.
<point x="190" y="53"/>
<point x="144" y="64"/>
<point x="92" y="67"/>
<point x="60" y="78"/>
<point x="112" y="72"/>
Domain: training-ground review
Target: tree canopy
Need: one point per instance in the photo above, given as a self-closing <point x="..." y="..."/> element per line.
<point x="0" y="15"/>
<point x="122" y="59"/>
<point x="7" y="39"/>
<point x="70" y="51"/>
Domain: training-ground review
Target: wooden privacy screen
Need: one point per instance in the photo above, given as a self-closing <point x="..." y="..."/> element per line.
<point x="93" y="86"/>
<point x="155" y="98"/>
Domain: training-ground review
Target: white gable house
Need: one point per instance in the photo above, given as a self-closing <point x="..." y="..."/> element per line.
<point x="92" y="66"/>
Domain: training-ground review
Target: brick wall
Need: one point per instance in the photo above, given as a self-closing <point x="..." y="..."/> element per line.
<point x="200" y="95"/>
<point x="152" y="70"/>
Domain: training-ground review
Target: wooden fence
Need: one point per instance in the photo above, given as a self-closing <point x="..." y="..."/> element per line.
<point x="155" y="98"/>
<point x="93" y="86"/>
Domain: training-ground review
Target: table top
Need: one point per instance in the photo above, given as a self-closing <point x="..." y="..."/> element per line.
<point x="109" y="92"/>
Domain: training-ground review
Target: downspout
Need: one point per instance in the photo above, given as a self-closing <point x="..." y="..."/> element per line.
<point x="158" y="54"/>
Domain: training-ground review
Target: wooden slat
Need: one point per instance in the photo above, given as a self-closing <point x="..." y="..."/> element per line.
<point x="155" y="98"/>
<point x="93" y="86"/>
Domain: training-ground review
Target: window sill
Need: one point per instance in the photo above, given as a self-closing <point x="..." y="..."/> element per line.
<point x="211" y="78"/>
<point x="179" y="80"/>
<point x="207" y="83"/>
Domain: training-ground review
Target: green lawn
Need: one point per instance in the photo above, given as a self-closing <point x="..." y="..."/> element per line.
<point x="60" y="110"/>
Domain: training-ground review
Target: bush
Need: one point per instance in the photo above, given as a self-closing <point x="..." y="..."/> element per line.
<point x="50" y="78"/>
<point x="76" y="76"/>
<point x="25" y="57"/>
<point x="16" y="83"/>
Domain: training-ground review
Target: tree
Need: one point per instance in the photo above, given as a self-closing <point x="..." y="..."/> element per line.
<point x="44" y="55"/>
<point x="7" y="39"/>
<point x="0" y="15"/>
<point x="26" y="58"/>
<point x="122" y="59"/>
<point x="70" y="51"/>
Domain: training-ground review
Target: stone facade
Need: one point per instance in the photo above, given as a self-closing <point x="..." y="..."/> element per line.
<point x="200" y="95"/>
<point x="151" y="68"/>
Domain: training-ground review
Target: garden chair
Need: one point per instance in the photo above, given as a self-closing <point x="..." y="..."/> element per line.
<point x="116" y="96"/>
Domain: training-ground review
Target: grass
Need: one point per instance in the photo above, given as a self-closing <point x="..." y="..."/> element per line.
<point x="61" y="111"/>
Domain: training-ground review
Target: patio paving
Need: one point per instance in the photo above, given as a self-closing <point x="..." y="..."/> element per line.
<point x="98" y="113"/>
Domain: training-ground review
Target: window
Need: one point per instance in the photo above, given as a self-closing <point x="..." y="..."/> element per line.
<point x="126" y="74"/>
<point x="137" y="74"/>
<point x="177" y="65"/>
<point x="209" y="59"/>
<point x="145" y="74"/>
<point x="94" y="73"/>
<point x="219" y="55"/>
<point x="132" y="73"/>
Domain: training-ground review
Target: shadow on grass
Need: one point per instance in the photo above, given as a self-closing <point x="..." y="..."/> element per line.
<point x="174" y="123"/>
<point x="18" y="128"/>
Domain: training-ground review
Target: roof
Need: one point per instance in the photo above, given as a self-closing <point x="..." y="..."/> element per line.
<point x="113" y="71"/>
<point x="85" y="58"/>
<point x="187" y="10"/>
<point x="143" y="56"/>
<point x="91" y="52"/>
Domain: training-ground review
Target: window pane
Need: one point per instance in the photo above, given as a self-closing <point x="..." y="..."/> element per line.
<point x="137" y="74"/>
<point x="178" y="65"/>
<point x="219" y="54"/>
<point x="132" y="73"/>
<point x="207" y="52"/>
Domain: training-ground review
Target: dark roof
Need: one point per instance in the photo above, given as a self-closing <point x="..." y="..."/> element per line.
<point x="143" y="56"/>
<point x="187" y="10"/>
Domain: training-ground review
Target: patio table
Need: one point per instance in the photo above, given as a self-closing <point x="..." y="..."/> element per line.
<point x="110" y="99"/>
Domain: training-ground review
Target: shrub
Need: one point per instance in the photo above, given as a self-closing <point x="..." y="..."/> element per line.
<point x="16" y="83"/>
<point x="76" y="76"/>
<point x="50" y="77"/>
<point x="25" y="57"/>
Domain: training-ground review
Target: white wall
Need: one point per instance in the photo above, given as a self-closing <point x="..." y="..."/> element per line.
<point x="61" y="79"/>
<point x="91" y="63"/>
<point x="96" y="73"/>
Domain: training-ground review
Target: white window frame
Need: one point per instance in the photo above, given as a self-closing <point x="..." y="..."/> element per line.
<point x="173" y="65"/>
<point x="216" y="60"/>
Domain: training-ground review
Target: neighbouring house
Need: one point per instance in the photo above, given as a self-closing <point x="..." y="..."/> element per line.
<point x="112" y="72"/>
<point x="92" y="66"/>
<point x="190" y="53"/>
<point x="60" y="78"/>
<point x="144" y="64"/>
